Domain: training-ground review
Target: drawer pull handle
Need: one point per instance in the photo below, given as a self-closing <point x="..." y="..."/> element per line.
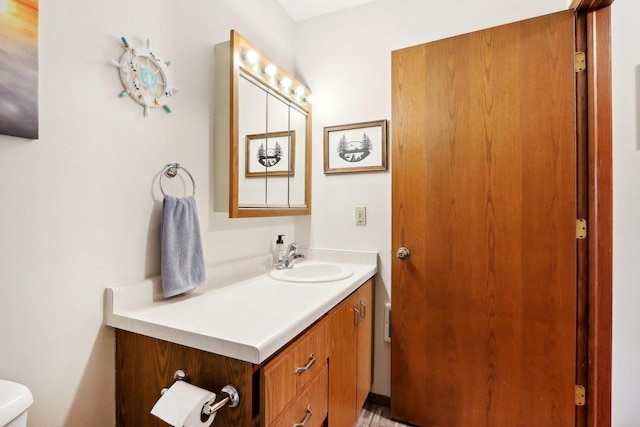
<point x="356" y="316"/>
<point x="306" y="417"/>
<point x="363" y="311"/>
<point x="301" y="370"/>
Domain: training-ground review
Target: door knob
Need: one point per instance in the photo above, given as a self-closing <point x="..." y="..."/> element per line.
<point x="403" y="253"/>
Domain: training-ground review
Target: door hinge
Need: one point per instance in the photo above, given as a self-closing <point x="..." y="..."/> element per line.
<point x="581" y="395"/>
<point x="581" y="228"/>
<point x="580" y="62"/>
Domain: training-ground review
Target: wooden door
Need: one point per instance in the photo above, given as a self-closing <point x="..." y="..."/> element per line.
<point x="484" y="198"/>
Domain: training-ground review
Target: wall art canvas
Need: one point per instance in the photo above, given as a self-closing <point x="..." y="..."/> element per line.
<point x="19" y="68"/>
<point x="358" y="147"/>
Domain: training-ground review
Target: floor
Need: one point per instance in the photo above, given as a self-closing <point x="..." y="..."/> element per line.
<point x="376" y="416"/>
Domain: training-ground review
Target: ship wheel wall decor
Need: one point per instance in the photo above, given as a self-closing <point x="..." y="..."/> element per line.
<point x="145" y="77"/>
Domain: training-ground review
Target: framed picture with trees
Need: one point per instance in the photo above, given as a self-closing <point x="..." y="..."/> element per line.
<point x="270" y="154"/>
<point x="357" y="147"/>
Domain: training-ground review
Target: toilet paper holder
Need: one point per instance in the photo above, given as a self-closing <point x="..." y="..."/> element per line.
<point x="231" y="399"/>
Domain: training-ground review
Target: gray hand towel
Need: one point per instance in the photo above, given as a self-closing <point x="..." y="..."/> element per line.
<point x="182" y="257"/>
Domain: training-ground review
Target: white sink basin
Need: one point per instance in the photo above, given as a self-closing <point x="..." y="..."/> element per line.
<point x="312" y="272"/>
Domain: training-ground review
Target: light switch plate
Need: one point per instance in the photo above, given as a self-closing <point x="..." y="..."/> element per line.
<point x="361" y="215"/>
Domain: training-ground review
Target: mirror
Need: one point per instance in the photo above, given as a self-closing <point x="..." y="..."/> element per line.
<point x="269" y="140"/>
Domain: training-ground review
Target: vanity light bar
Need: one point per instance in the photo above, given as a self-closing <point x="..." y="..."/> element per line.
<point x="271" y="74"/>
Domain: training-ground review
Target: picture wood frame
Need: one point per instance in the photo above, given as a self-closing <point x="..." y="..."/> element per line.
<point x="270" y="154"/>
<point x="356" y="147"/>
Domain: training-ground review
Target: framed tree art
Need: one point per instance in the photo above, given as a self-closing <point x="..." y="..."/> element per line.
<point x="270" y="154"/>
<point x="358" y="147"/>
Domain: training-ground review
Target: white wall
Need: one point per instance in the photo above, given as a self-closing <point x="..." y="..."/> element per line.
<point x="626" y="205"/>
<point x="79" y="208"/>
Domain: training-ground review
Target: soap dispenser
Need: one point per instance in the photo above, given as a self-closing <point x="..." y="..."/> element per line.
<point x="278" y="252"/>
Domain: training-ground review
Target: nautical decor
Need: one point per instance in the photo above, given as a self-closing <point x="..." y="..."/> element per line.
<point x="145" y="77"/>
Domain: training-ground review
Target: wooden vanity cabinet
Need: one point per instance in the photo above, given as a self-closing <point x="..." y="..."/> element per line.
<point x="323" y="374"/>
<point x="296" y="379"/>
<point x="350" y="352"/>
<point x="364" y="371"/>
<point x="144" y="366"/>
<point x="310" y="406"/>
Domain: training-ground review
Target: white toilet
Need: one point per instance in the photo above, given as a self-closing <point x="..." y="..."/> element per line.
<point x="15" y="400"/>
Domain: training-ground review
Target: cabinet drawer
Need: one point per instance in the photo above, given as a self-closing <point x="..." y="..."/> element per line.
<point x="310" y="405"/>
<point x="293" y="369"/>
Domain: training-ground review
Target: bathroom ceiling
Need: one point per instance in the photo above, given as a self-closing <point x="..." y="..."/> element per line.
<point x="299" y="10"/>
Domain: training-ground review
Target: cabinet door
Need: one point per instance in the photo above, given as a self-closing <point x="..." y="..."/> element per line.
<point x="310" y="407"/>
<point x="365" y="335"/>
<point x="343" y="338"/>
<point x="292" y="370"/>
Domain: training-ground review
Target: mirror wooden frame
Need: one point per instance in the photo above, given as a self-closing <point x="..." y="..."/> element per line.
<point x="239" y="48"/>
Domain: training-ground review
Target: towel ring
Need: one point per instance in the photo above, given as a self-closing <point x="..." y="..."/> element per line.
<point x="170" y="171"/>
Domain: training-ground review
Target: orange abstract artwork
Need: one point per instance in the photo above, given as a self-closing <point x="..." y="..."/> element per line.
<point x="19" y="68"/>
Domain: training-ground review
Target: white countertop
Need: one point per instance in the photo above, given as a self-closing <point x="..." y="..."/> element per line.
<point x="247" y="320"/>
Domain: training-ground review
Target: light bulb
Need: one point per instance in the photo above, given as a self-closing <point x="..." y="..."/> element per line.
<point x="299" y="91"/>
<point x="286" y="82"/>
<point x="271" y="70"/>
<point x="252" y="57"/>
<point x="311" y="99"/>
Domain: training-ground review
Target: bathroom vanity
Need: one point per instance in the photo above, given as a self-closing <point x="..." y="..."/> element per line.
<point x="295" y="351"/>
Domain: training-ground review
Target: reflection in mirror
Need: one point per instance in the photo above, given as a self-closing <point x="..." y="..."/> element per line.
<point x="277" y="188"/>
<point x="270" y="156"/>
<point x="266" y="147"/>
<point x="252" y="119"/>
<point x="299" y="124"/>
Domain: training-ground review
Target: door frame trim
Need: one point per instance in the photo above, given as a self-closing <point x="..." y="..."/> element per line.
<point x="597" y="15"/>
<point x="589" y="5"/>
<point x="601" y="216"/>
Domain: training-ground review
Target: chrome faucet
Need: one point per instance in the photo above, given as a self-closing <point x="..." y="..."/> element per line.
<point x="290" y="257"/>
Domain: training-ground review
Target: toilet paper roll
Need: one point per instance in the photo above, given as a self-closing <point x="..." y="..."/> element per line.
<point x="182" y="404"/>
